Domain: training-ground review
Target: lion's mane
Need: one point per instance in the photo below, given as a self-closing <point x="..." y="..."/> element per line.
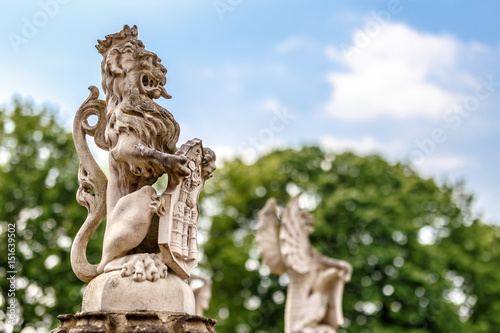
<point x="129" y="111"/>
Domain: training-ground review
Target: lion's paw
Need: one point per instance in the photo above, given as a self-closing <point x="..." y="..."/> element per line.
<point x="144" y="266"/>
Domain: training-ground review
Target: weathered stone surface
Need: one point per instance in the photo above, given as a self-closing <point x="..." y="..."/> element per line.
<point x="134" y="322"/>
<point x="111" y="292"/>
<point x="314" y="296"/>
<point x="141" y="137"/>
<point x="150" y="242"/>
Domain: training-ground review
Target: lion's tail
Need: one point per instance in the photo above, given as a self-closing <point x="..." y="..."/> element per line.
<point x="93" y="182"/>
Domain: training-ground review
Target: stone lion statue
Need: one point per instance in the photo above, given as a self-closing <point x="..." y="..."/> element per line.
<point x="141" y="138"/>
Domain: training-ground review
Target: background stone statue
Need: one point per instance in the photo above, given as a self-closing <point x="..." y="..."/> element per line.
<point x="141" y="138"/>
<point x="202" y="294"/>
<point x="314" y="297"/>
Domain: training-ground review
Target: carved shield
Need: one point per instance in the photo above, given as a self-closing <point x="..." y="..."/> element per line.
<point x="177" y="233"/>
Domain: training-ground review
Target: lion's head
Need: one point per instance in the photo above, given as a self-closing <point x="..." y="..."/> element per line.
<point x="131" y="78"/>
<point x="127" y="67"/>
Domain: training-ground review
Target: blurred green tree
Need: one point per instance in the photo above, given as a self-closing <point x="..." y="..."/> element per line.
<point x="421" y="262"/>
<point x="38" y="183"/>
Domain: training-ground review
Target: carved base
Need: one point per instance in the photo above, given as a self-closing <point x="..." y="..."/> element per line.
<point x="130" y="322"/>
<point x="111" y="293"/>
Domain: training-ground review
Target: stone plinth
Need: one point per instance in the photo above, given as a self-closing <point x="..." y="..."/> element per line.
<point x="129" y="322"/>
<point x="111" y="292"/>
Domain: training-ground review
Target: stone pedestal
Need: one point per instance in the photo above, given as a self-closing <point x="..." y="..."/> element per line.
<point x="134" y="321"/>
<point x="113" y="304"/>
<point x="111" y="292"/>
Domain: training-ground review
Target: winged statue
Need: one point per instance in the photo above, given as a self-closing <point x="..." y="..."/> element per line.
<point x="314" y="296"/>
<point x="202" y="294"/>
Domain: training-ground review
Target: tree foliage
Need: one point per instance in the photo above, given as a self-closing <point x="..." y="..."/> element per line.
<point x="38" y="183"/>
<point x="421" y="262"/>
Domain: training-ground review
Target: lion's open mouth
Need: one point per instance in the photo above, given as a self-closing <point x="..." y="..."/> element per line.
<point x="152" y="87"/>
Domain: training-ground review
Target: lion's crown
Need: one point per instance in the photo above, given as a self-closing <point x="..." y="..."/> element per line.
<point x="127" y="34"/>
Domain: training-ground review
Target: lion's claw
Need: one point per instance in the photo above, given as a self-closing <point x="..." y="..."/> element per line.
<point x="144" y="266"/>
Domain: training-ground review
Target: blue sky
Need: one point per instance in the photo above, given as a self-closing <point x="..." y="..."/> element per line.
<point x="412" y="80"/>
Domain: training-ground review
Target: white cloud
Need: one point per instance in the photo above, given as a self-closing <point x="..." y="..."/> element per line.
<point x="430" y="165"/>
<point x="249" y="154"/>
<point x="224" y="153"/>
<point x="440" y="163"/>
<point x="400" y="73"/>
<point x="363" y="146"/>
<point x="263" y="139"/>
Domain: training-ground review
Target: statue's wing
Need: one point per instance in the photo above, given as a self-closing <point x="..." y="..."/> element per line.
<point x="296" y="225"/>
<point x="267" y="238"/>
